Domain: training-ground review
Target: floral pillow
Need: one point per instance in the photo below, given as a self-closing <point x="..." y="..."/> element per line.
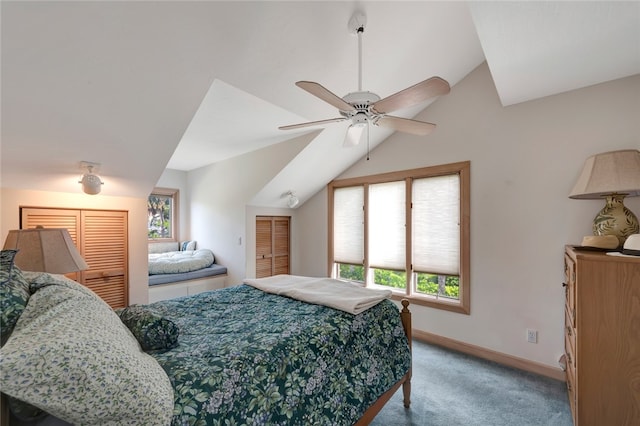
<point x="152" y="330"/>
<point x="72" y="357"/>
<point x="14" y="294"/>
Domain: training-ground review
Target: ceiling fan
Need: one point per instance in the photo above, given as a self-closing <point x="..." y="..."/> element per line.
<point x="363" y="107"/>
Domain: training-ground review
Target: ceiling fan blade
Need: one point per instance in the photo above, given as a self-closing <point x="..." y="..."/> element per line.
<point x="435" y="86"/>
<point x="312" y="123"/>
<point x="406" y="125"/>
<point x="321" y="92"/>
<point x="354" y="134"/>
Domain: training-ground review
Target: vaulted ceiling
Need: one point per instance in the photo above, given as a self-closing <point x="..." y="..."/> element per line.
<point x="142" y="86"/>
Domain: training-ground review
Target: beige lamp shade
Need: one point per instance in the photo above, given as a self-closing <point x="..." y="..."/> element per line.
<point x="614" y="172"/>
<point x="45" y="250"/>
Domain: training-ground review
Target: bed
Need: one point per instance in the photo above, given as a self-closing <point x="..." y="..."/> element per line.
<point x="181" y="269"/>
<point x="239" y="355"/>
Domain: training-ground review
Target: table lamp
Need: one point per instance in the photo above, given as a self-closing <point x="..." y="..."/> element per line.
<point x="45" y="250"/>
<point x="613" y="176"/>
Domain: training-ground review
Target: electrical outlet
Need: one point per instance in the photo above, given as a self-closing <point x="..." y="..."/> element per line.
<point x="532" y="336"/>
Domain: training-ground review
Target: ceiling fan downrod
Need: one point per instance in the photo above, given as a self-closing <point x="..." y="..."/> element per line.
<point x="360" y="30"/>
<point x="356" y="26"/>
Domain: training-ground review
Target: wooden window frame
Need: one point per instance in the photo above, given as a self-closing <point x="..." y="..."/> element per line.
<point x="463" y="304"/>
<point x="175" y="213"/>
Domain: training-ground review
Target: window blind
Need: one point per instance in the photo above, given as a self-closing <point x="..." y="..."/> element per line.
<point x="436" y="225"/>
<point x="348" y="225"/>
<point x="387" y="231"/>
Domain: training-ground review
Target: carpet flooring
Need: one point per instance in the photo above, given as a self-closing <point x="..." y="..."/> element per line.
<point x="449" y="388"/>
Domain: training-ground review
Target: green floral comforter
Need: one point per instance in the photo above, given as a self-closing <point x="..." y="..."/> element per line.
<point x="246" y="357"/>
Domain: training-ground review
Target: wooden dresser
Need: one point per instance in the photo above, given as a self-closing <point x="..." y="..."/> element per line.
<point x="602" y="337"/>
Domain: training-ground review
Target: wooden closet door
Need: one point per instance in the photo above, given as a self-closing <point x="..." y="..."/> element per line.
<point x="104" y="248"/>
<point x="272" y="246"/>
<point x="101" y="237"/>
<point x="264" y="238"/>
<point x="280" y="245"/>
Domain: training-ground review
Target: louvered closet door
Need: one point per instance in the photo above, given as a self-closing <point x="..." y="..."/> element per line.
<point x="104" y="248"/>
<point x="54" y="218"/>
<point x="263" y="247"/>
<point x="101" y="239"/>
<point x="280" y="245"/>
<point x="272" y="246"/>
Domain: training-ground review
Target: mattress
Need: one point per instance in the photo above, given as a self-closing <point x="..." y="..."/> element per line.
<point x="175" y="262"/>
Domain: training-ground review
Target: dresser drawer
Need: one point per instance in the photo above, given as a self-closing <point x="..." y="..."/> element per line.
<point x="570" y="288"/>
<point x="572" y="393"/>
<point x="571" y="360"/>
<point x="570" y="342"/>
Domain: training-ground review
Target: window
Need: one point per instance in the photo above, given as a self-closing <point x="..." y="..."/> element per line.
<point x="162" y="208"/>
<point x="406" y="231"/>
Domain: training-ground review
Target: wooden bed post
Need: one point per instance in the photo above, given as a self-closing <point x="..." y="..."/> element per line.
<point x="405" y="316"/>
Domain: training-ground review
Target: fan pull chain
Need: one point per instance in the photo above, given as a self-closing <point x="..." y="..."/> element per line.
<point x="368" y="128"/>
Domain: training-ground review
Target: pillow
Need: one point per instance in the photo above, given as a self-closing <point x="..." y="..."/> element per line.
<point x="71" y="356"/>
<point x="14" y="294"/>
<point x="152" y="330"/>
<point x="188" y="245"/>
<point x="6" y="264"/>
<point x="164" y="247"/>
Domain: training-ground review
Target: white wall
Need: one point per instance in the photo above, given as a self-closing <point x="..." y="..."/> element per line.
<point x="13" y="199"/>
<point x="310" y="235"/>
<point x="524" y="161"/>
<point x="221" y="216"/>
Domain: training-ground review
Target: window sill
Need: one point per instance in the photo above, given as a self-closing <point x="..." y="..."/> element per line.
<point x="433" y="303"/>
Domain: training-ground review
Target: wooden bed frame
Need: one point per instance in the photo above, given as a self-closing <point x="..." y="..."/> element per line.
<point x="373" y="410"/>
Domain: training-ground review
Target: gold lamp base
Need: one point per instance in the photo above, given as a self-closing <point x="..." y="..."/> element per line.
<point x="615" y="219"/>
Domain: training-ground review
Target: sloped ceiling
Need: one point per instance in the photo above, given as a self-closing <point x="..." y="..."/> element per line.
<point x="536" y="49"/>
<point x="141" y="86"/>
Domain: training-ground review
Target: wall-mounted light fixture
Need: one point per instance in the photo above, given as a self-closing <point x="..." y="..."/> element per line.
<point x="292" y="200"/>
<point x="91" y="183"/>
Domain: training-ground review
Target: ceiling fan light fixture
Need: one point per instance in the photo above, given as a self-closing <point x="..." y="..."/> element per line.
<point x="354" y="134"/>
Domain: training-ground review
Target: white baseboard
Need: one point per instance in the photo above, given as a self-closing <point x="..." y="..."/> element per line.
<point x="488" y="354"/>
